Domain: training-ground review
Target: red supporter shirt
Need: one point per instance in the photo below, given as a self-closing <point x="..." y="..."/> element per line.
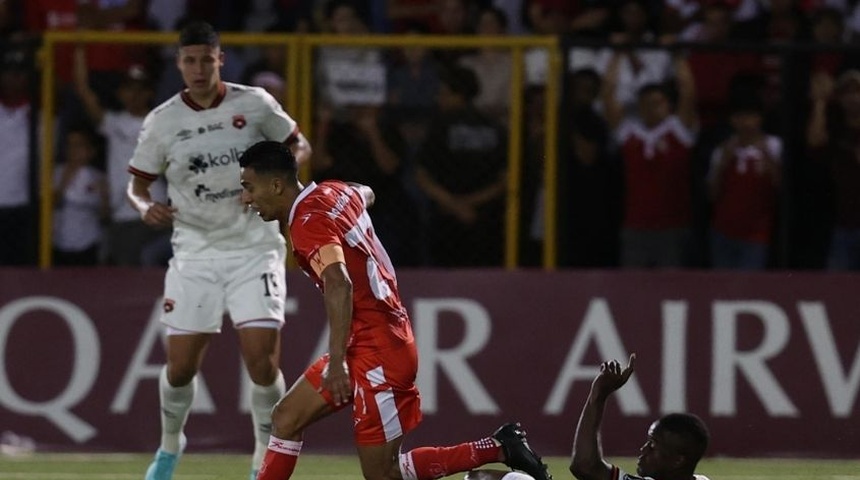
<point x="713" y="72"/>
<point x="42" y="15"/>
<point x="332" y="212"/>
<point x="746" y="207"/>
<point x="657" y="174"/>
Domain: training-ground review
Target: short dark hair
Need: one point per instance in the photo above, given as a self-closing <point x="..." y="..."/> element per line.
<point x="462" y="81"/>
<point x="692" y="431"/>
<point x="198" y="32"/>
<point x="270" y="157"/>
<point x="499" y="15"/>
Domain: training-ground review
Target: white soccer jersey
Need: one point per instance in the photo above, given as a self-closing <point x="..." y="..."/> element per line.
<point x="619" y="474"/>
<point x="198" y="150"/>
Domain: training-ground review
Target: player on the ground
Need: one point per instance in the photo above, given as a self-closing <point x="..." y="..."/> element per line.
<point x="225" y="259"/>
<point x="372" y="360"/>
<point x="674" y="445"/>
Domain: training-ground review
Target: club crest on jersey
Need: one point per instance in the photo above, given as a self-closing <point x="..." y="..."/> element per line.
<point x="169" y="304"/>
<point x="239" y="121"/>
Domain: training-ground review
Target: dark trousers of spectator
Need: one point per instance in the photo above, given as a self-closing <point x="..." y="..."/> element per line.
<point x="67" y="258"/>
<point x="844" y="249"/>
<point x="17" y="236"/>
<point x="654" y="248"/>
<point x="731" y="253"/>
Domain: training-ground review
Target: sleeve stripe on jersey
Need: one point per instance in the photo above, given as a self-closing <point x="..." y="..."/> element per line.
<point x="144" y="175"/>
<point x="293" y="137"/>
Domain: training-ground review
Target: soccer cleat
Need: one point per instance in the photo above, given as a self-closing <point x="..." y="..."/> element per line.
<point x="518" y="454"/>
<point x="253" y="474"/>
<point x="164" y="463"/>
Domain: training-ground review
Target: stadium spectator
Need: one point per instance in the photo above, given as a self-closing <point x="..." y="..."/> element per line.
<point x="713" y="70"/>
<point x="128" y="240"/>
<point x="545" y="17"/>
<point x="17" y="209"/>
<point x="106" y="62"/>
<point x="655" y="148"/>
<point x="225" y="260"/>
<point x="636" y="66"/>
<point x="403" y="15"/>
<point x="349" y="75"/>
<point x="593" y="192"/>
<point x="493" y="67"/>
<point x="362" y="146"/>
<point x="744" y="181"/>
<point x="462" y="169"/>
<point x="828" y="30"/>
<point x="10" y="19"/>
<point x="372" y="360"/>
<point x="833" y="138"/>
<point x="675" y="442"/>
<point x="80" y="200"/>
<point x="413" y="78"/>
<point x="272" y="60"/>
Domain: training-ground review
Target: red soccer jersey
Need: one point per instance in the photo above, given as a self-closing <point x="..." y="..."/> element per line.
<point x="746" y="206"/>
<point x="657" y="174"/>
<point x="333" y="213"/>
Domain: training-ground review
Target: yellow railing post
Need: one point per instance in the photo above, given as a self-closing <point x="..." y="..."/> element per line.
<point x="515" y="156"/>
<point x="550" y="180"/>
<point x="46" y="169"/>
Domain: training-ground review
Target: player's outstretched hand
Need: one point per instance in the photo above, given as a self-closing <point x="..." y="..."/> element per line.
<point x="612" y="376"/>
<point x="159" y="215"/>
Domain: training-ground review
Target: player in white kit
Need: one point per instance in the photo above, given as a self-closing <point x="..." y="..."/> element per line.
<point x="226" y="260"/>
<point x="674" y="444"/>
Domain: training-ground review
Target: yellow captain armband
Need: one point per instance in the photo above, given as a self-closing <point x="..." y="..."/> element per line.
<point x="325" y="256"/>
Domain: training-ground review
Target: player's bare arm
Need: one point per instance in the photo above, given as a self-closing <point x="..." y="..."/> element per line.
<point x="301" y="149"/>
<point x="587" y="462"/>
<point x="153" y="213"/>
<point x="330" y="265"/>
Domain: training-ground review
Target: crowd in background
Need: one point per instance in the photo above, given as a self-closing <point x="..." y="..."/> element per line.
<point x="694" y="133"/>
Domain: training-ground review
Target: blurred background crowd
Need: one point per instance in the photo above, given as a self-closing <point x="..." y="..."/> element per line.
<point x="720" y="134"/>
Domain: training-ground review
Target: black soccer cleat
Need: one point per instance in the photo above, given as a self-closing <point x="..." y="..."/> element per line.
<point x="518" y="454"/>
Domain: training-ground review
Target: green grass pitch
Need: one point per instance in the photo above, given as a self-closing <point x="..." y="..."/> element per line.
<point x="49" y="466"/>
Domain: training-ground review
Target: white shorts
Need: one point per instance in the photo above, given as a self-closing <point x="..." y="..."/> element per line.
<point x="248" y="288"/>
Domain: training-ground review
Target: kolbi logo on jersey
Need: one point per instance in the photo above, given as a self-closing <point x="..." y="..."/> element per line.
<point x="200" y="163"/>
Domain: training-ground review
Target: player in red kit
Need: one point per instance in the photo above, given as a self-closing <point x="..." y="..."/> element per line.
<point x="372" y="360"/>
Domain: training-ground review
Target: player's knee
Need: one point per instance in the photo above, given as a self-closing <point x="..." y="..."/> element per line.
<point x="263" y="371"/>
<point x="180" y="375"/>
<point x="285" y="424"/>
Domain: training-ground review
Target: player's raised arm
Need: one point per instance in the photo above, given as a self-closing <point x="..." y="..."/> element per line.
<point x="301" y="149"/>
<point x="587" y="461"/>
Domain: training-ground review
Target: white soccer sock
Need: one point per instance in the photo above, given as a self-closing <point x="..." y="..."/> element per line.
<point x="263" y="399"/>
<point x="175" y="405"/>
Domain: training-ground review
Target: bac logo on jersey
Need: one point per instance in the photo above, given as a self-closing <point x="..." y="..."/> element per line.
<point x="169" y="304"/>
<point x="239" y="121"/>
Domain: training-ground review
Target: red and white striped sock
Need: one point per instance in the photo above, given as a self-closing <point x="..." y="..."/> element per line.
<point x="428" y="463"/>
<point x="280" y="459"/>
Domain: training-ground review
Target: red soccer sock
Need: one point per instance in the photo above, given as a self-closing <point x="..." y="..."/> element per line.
<point x="280" y="459"/>
<point x="426" y="463"/>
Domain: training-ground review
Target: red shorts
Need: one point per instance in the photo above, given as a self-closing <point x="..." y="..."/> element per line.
<point x="385" y="402"/>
